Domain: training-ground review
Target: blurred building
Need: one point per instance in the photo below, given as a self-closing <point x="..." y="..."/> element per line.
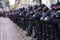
<point x="25" y="3"/>
<point x="7" y="6"/>
<point x="49" y="2"/>
<point x="46" y="2"/>
<point x="4" y="4"/>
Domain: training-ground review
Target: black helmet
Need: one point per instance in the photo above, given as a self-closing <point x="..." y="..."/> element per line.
<point x="58" y="3"/>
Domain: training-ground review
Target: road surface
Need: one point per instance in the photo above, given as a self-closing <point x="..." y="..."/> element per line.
<point x="10" y="31"/>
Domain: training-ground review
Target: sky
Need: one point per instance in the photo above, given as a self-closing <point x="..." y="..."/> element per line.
<point x="12" y="2"/>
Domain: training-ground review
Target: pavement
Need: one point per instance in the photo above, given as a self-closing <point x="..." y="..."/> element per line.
<point x="10" y="31"/>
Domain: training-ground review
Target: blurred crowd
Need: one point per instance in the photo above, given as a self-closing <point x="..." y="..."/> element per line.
<point x="38" y="20"/>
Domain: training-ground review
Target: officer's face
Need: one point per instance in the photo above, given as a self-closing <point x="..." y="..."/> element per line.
<point x="54" y="7"/>
<point x="58" y="6"/>
<point x="40" y="7"/>
<point x="44" y="8"/>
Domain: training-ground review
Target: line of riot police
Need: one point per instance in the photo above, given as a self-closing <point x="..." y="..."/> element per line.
<point x="39" y="21"/>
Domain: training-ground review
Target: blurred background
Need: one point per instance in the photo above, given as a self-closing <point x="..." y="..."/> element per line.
<point x="15" y="4"/>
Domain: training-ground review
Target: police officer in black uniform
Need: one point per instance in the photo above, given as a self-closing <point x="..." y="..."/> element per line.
<point x="30" y="13"/>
